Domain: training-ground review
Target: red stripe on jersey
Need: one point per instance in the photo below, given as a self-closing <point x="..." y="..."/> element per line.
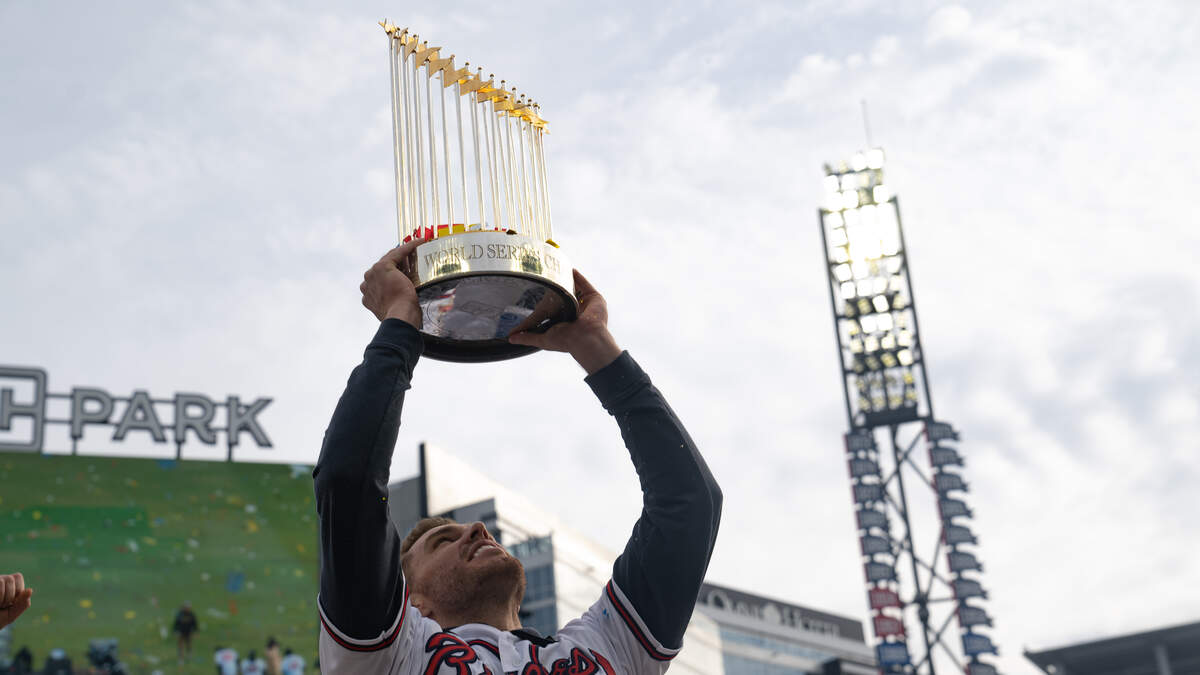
<point x="633" y="627"/>
<point x="484" y="643"/>
<point x="377" y="646"/>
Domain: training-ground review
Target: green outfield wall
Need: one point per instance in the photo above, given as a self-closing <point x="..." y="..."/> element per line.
<point x="114" y="546"/>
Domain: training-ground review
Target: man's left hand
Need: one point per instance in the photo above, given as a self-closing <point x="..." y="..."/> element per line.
<point x="586" y="338"/>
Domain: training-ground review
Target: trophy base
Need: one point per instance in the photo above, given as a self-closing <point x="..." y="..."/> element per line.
<point x="477" y="288"/>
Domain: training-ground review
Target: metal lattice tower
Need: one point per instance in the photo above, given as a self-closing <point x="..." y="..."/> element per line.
<point x="918" y="554"/>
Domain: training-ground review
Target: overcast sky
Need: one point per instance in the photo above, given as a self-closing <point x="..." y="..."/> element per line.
<point x="189" y="194"/>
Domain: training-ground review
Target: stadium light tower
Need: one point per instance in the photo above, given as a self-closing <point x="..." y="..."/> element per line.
<point x="934" y="580"/>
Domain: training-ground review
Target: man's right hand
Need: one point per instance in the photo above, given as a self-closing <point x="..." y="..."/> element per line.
<point x="387" y="288"/>
<point x="14" y="597"/>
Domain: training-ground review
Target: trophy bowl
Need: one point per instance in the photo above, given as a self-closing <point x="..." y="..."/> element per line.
<point x="477" y="288"/>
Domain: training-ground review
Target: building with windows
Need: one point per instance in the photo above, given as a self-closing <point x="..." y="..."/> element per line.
<point x="731" y="633"/>
<point x="764" y="636"/>
<point x="1174" y="650"/>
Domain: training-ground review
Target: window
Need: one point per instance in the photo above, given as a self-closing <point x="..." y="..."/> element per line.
<point x="539" y="584"/>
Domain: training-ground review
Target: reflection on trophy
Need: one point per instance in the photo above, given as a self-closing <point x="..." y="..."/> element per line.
<point x="471" y="180"/>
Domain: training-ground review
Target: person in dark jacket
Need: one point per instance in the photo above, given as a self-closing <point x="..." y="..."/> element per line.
<point x="185" y="625"/>
<point x="446" y="598"/>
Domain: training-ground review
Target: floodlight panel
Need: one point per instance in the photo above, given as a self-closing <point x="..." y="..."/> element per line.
<point x="838" y="237"/>
<point x="832" y="183"/>
<point x="881" y="355"/>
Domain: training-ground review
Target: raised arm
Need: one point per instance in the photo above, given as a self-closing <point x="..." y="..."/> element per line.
<point x="362" y="588"/>
<point x="659" y="574"/>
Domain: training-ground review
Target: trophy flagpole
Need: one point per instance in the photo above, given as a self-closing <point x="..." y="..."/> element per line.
<point x="407" y="131"/>
<point x="545" y="182"/>
<point x="478" y="171"/>
<point x="540" y="175"/>
<point x="446" y="150"/>
<point x="529" y="228"/>
<point x="490" y="131"/>
<point x="433" y="173"/>
<point x="423" y="217"/>
<point x="462" y="156"/>
<point x="395" y="136"/>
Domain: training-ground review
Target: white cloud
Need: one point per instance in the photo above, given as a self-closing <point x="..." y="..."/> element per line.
<point x="947" y="23"/>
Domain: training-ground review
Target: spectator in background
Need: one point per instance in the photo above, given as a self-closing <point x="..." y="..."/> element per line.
<point x="23" y="662"/>
<point x="14" y="597"/>
<point x="57" y="663"/>
<point x="292" y="663"/>
<point x="185" y="625"/>
<point x="226" y="660"/>
<point x="252" y="665"/>
<point x="272" y="656"/>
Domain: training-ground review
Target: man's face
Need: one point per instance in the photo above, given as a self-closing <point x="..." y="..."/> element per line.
<point x="456" y="567"/>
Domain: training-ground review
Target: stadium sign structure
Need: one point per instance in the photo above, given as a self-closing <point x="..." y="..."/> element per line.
<point x="885" y="388"/>
<point x="24" y="417"/>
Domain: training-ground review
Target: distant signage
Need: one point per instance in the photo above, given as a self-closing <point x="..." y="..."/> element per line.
<point x="773" y="612"/>
<point x="972" y="616"/>
<point x="177" y="420"/>
<point x="945" y="481"/>
<point x="869" y="518"/>
<point x="865" y="494"/>
<point x="877" y="571"/>
<point x="860" y="440"/>
<point x="863" y="467"/>
<point x="879" y="598"/>
<point x="953" y="507"/>
<point x="961" y="561"/>
<point x="942" y="456"/>
<point x="975" y="644"/>
<point x="887" y="626"/>
<point x="938" y="431"/>
<point x="968" y="588"/>
<point x="872" y="544"/>
<point x="892" y="654"/>
<point x="958" y="534"/>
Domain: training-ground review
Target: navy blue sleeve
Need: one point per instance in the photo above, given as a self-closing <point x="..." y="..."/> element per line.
<point x="664" y="562"/>
<point x="362" y="587"/>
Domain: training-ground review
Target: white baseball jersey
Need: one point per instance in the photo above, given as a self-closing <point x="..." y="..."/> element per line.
<point x="227" y="661"/>
<point x="609" y="639"/>
<point x="292" y="664"/>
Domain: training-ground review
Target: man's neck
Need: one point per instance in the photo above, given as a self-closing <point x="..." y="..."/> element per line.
<point x="500" y="617"/>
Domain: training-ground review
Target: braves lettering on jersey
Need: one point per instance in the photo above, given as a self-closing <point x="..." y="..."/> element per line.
<point x="609" y="639"/>
<point x="635" y="626"/>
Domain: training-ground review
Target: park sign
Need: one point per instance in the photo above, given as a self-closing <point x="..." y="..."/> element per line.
<point x="28" y="409"/>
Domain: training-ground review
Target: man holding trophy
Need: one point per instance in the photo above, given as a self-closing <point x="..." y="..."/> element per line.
<point x="478" y="277"/>
<point x="446" y="598"/>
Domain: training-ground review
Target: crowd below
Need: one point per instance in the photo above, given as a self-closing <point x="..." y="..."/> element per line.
<point x="102" y="660"/>
<point x="15" y="598"/>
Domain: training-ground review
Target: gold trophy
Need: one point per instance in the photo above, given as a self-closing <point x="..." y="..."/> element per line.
<point x="471" y="179"/>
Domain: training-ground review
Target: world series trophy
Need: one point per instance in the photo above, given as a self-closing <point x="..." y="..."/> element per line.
<point x="471" y="180"/>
